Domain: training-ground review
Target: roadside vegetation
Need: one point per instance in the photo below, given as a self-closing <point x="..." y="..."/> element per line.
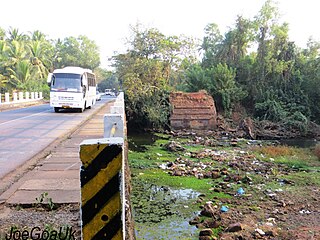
<point x="27" y="58"/>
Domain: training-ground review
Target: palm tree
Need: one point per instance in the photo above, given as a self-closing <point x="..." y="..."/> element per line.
<point x="39" y="58"/>
<point x="21" y="75"/>
<point x="15" y="35"/>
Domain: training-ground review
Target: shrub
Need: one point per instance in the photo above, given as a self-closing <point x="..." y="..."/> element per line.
<point x="317" y="150"/>
<point x="276" y="151"/>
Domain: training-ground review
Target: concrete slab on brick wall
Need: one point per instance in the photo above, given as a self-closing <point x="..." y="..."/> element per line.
<point x="192" y="111"/>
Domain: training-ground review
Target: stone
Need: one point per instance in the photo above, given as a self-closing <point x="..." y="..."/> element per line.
<point x="194" y="221"/>
<point x="205" y="238"/>
<point x="210" y="223"/>
<point x="261" y="232"/>
<point x="215" y="174"/>
<point x="235" y="227"/>
<point x="208" y="210"/>
<point x="206" y="232"/>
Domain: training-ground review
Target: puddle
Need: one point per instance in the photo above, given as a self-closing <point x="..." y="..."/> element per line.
<point x="163" y="213"/>
<point x="301" y="143"/>
<point x="139" y="141"/>
<point x="167" y="229"/>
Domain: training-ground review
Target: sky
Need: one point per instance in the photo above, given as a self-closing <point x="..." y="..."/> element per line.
<point x="108" y="22"/>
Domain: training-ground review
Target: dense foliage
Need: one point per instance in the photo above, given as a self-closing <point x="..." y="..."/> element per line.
<point x="253" y="64"/>
<point x="26" y="59"/>
<point x="148" y="71"/>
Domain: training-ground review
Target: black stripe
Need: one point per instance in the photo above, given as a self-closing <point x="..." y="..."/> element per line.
<point x="100" y="162"/>
<point x="110" y="230"/>
<point x="98" y="201"/>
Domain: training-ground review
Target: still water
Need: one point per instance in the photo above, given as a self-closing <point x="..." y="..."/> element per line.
<point x="161" y="212"/>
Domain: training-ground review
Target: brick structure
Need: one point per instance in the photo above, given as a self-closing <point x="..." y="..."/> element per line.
<point x="192" y="111"/>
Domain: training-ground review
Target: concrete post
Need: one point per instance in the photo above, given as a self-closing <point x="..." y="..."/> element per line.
<point x="6" y="97"/>
<point x="15" y="97"/>
<point x="113" y="125"/>
<point x="40" y="95"/>
<point x="20" y="96"/>
<point x="36" y="95"/>
<point x="27" y="95"/>
<point x="116" y="110"/>
<point x="32" y="95"/>
<point x="100" y="176"/>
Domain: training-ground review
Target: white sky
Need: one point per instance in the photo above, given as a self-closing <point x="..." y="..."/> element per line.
<point x="107" y="22"/>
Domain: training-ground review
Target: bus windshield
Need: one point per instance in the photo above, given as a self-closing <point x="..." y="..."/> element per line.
<point x="66" y="82"/>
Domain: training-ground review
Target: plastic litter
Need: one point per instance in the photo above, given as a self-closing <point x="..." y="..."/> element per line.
<point x="240" y="191"/>
<point x="224" y="209"/>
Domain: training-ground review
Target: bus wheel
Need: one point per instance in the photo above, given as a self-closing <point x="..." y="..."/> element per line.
<point x="56" y="109"/>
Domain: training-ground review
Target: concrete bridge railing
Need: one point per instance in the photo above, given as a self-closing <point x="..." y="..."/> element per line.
<point x="16" y="98"/>
<point x="104" y="176"/>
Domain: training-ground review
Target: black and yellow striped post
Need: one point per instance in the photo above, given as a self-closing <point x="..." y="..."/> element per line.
<point x="101" y="207"/>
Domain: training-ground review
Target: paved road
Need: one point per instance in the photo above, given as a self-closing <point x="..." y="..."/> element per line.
<point x="27" y="131"/>
<point x="57" y="173"/>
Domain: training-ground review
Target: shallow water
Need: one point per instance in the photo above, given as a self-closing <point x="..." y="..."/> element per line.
<point x="163" y="213"/>
<point x="301" y="143"/>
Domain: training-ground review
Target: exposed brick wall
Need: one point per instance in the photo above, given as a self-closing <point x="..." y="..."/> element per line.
<point x="192" y="111"/>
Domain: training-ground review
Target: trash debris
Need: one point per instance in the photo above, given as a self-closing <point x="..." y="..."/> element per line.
<point x="303" y="211"/>
<point x="240" y="191"/>
<point x="224" y="209"/>
<point x="261" y="233"/>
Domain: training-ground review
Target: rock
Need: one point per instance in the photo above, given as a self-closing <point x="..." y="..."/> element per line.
<point x="177" y="173"/>
<point x="270" y="233"/>
<point x="235" y="227"/>
<point x="194" y="221"/>
<point x="208" y="210"/>
<point x="215" y="174"/>
<point x="205" y="238"/>
<point x="207" y="175"/>
<point x="224" y="171"/>
<point x="261" y="233"/>
<point x="248" y="127"/>
<point x="174" y="146"/>
<point x="206" y="232"/>
<point x="209" y="223"/>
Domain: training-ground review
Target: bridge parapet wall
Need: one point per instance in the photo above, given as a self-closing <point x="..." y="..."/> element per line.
<point x="16" y="99"/>
<point x="105" y="180"/>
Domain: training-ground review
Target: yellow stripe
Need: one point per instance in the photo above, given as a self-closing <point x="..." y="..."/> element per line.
<point x="91" y="188"/>
<point x="118" y="235"/>
<point x="111" y="208"/>
<point x="113" y="130"/>
<point x="89" y="152"/>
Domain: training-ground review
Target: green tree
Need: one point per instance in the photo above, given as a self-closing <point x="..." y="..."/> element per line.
<point x="21" y="75"/>
<point x="41" y="54"/>
<point x="309" y="65"/>
<point x="145" y="72"/>
<point x="80" y="51"/>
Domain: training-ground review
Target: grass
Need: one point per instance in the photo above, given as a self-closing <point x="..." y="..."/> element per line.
<point x="299" y="166"/>
<point x="296" y="158"/>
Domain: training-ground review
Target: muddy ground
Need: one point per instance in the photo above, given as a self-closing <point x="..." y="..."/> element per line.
<point x="42" y="220"/>
<point x="257" y="189"/>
